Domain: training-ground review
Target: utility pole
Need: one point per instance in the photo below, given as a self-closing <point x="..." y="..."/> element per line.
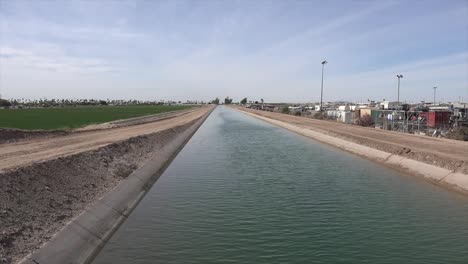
<point x="435" y="88"/>
<point x="321" y="90"/>
<point x="399" y="76"/>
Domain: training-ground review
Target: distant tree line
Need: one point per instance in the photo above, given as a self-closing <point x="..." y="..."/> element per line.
<point x="83" y="102"/>
<point x="215" y="101"/>
<point x="227" y="100"/>
<point x="4" y="103"/>
<point x="99" y="102"/>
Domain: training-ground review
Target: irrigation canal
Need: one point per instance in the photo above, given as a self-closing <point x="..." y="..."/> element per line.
<point x="244" y="191"/>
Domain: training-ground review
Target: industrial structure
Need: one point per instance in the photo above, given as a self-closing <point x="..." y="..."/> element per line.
<point x="422" y="118"/>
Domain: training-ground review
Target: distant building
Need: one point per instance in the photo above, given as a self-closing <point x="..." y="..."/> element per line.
<point x="439" y="119"/>
<point x="440" y="108"/>
<point x="366" y="111"/>
<point x="347" y="107"/>
<point x="295" y="109"/>
<point x="269" y="108"/>
<point x="389" y="105"/>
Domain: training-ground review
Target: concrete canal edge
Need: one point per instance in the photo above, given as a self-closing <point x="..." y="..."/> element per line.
<point x="82" y="238"/>
<point x="453" y="180"/>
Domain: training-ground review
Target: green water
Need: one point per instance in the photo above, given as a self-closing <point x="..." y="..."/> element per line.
<point x="244" y="191"/>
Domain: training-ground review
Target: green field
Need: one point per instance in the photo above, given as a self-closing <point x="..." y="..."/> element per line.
<point x="74" y="117"/>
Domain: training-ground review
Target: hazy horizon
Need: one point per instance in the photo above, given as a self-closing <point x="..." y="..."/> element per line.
<point x="199" y="50"/>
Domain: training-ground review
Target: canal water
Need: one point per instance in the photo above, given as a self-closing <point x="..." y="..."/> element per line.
<point x="244" y="191"/>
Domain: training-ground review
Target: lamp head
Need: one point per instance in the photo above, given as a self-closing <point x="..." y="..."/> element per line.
<point x="324" y="62"/>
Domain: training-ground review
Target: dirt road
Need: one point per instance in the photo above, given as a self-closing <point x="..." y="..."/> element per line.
<point x="19" y="154"/>
<point x="444" y="153"/>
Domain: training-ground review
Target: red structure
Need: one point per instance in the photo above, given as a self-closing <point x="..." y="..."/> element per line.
<point x="438" y="118"/>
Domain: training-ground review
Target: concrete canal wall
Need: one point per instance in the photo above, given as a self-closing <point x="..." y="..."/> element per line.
<point x="83" y="237"/>
<point x="441" y="176"/>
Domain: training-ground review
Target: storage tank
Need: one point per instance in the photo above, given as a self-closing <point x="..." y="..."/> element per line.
<point x="346" y="117"/>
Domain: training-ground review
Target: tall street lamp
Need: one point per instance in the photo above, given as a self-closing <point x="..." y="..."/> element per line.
<point x="321" y="90"/>
<point x="435" y="88"/>
<point x="399" y="76"/>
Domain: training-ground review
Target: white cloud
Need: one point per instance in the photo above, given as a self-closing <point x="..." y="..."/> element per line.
<point x="16" y="59"/>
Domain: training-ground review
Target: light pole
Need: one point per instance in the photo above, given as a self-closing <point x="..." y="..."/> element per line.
<point x="321" y="90"/>
<point x="435" y="88"/>
<point x="399" y="76"/>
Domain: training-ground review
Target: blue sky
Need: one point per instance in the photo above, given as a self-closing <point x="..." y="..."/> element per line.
<point x="257" y="49"/>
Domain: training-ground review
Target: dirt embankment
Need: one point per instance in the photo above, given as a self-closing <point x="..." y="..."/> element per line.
<point x="444" y="153"/>
<point x="37" y="200"/>
<point x="23" y="153"/>
<point x="13" y="135"/>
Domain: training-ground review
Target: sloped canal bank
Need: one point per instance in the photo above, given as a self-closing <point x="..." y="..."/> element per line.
<point x="244" y="191"/>
<point x="63" y="209"/>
